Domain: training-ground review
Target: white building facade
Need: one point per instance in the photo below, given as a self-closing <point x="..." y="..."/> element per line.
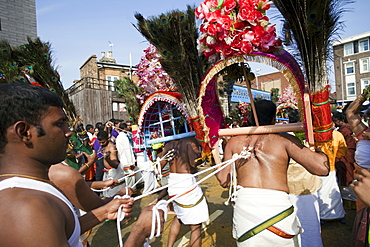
<point x="351" y="66"/>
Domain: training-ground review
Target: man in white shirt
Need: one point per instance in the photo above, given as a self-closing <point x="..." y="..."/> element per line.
<point x="126" y="156"/>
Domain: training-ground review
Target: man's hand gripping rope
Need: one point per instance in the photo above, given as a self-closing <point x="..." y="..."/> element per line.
<point x="156" y="167"/>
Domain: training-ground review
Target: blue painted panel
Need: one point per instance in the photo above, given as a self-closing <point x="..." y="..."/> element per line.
<point x="240" y="94"/>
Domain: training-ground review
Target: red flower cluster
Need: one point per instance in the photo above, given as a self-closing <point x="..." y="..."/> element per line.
<point x="235" y="27"/>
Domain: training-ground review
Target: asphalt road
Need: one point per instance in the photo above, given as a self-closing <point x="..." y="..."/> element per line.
<point x="217" y="232"/>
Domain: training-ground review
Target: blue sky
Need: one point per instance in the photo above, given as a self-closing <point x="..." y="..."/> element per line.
<point x="81" y="28"/>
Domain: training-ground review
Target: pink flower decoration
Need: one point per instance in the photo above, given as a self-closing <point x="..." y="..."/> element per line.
<point x="151" y="75"/>
<point x="234" y="27"/>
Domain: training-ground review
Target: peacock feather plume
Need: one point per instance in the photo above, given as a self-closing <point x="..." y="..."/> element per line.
<point x="32" y="63"/>
<point x="174" y="34"/>
<point x="309" y="28"/>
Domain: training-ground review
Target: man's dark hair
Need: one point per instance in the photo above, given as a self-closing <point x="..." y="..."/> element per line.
<point x="294" y="116"/>
<point x="266" y="112"/>
<point x="98" y="124"/>
<point x="122" y="126"/>
<point x="102" y="135"/>
<point x="339" y="116"/>
<point x="24" y="102"/>
<point x="89" y="126"/>
<point x="114" y="121"/>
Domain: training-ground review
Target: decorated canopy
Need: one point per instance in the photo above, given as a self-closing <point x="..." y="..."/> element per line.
<point x="163" y="118"/>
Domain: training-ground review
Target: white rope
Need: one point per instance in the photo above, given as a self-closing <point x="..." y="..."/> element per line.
<point x="120" y="217"/>
<point x="119" y="180"/>
<point x="168" y="156"/>
<point x="162" y="205"/>
<point x="233" y="185"/>
<point x="158" y="168"/>
<point x="155" y="218"/>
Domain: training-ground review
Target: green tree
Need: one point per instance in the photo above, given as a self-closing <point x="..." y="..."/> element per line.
<point x="274" y="94"/>
<point x="128" y="90"/>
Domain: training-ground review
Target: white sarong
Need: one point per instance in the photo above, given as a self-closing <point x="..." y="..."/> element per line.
<point x="148" y="174"/>
<point x="361" y="154"/>
<point x="115" y="174"/>
<point x="191" y="208"/>
<point x="330" y="198"/>
<point x="254" y="206"/>
<point x="307" y="207"/>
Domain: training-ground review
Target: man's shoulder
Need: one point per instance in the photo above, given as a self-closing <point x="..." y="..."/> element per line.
<point x="41" y="209"/>
<point x="29" y="198"/>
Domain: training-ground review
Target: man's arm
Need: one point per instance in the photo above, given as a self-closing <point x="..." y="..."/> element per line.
<point x="166" y="148"/>
<point x="73" y="185"/>
<point x="107" y="212"/>
<point x="142" y="228"/>
<point x="315" y="162"/>
<point x="91" y="159"/>
<point x="354" y="120"/>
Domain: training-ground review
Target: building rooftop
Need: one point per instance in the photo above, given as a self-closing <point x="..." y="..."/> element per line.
<point x="351" y="38"/>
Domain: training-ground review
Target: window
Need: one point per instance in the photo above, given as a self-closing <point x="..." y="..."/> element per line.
<point x="349" y="68"/>
<point x="364" y="65"/>
<point x="348" y="49"/>
<point x="110" y="82"/>
<point x="364" y="83"/>
<point x="122" y="107"/>
<point x="115" y="106"/>
<point x="363" y="45"/>
<point x="351" y="89"/>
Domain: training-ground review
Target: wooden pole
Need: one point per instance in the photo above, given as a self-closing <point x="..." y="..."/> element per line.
<point x="265" y="129"/>
<point x="308" y="116"/>
<point x="250" y="95"/>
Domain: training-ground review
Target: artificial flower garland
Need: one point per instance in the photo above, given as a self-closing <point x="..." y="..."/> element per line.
<point x="152" y="77"/>
<point x="235" y="27"/>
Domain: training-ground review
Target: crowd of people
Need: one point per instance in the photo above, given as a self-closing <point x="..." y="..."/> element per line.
<point x="282" y="193"/>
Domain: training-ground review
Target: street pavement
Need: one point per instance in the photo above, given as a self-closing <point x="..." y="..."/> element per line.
<point x="216" y="232"/>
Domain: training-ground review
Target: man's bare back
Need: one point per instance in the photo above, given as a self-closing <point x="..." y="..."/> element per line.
<point x="267" y="166"/>
<point x="186" y="151"/>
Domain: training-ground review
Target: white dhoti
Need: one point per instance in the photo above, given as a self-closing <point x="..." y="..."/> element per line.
<point x="130" y="176"/>
<point x="115" y="174"/>
<point x="330" y="198"/>
<point x="361" y="154"/>
<point x="191" y="208"/>
<point x="148" y="175"/>
<point x="254" y="206"/>
<point x="308" y="214"/>
<point x="303" y="187"/>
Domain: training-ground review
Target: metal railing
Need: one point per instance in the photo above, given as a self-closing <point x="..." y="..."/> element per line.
<point x="92" y="83"/>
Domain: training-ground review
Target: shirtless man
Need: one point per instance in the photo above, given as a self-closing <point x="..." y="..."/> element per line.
<point x="262" y="183"/>
<point x="33" y="136"/>
<point x="112" y="169"/>
<point x="191" y="208"/>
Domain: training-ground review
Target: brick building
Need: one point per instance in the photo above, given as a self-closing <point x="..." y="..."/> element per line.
<point x="17" y="21"/>
<point x="264" y="83"/>
<point x="351" y="66"/>
<point x="270" y="81"/>
<point x="94" y="95"/>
